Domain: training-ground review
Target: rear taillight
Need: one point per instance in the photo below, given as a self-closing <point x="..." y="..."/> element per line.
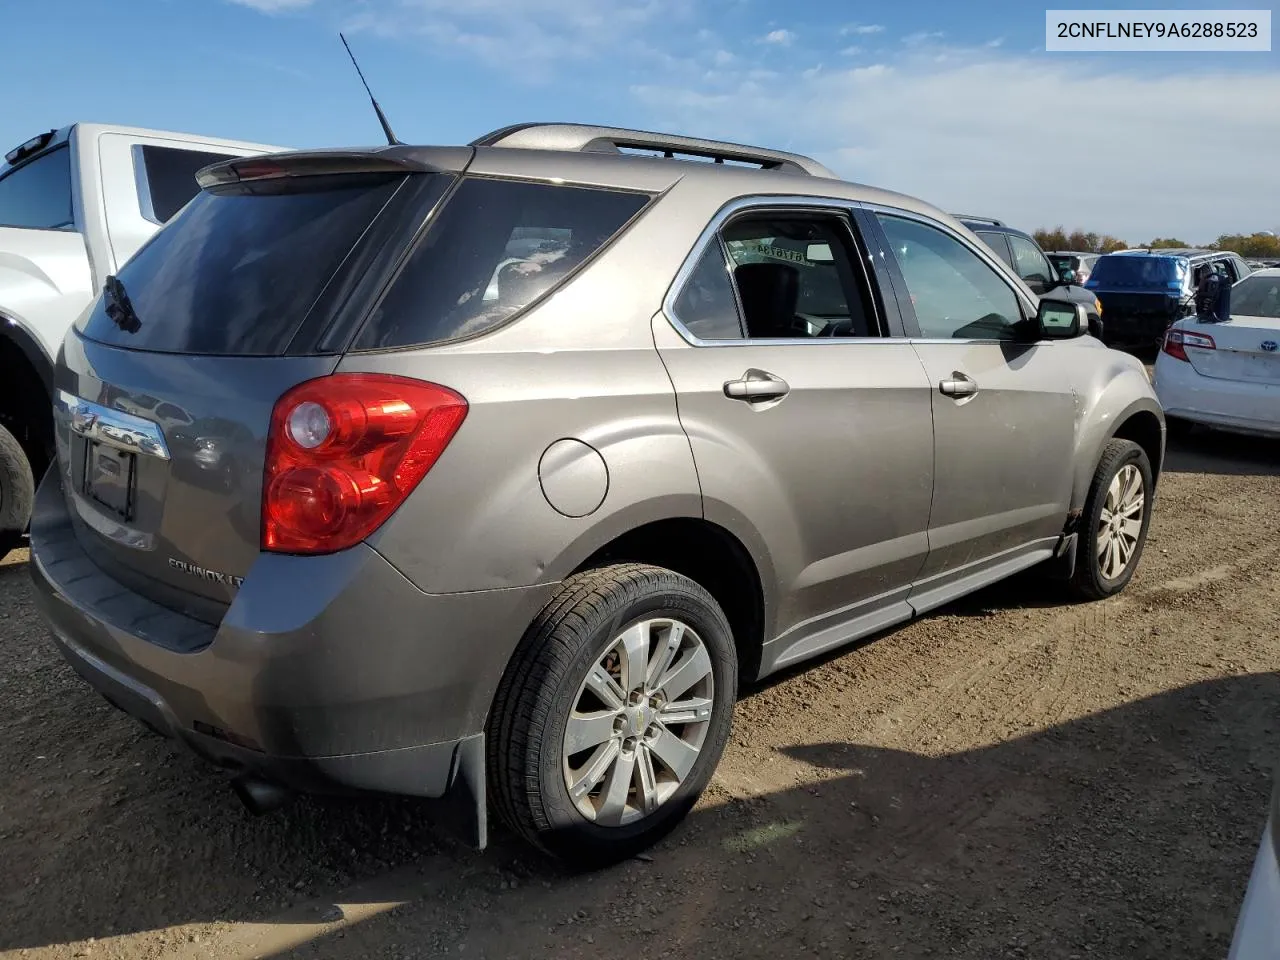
<point x="344" y="451"/>
<point x="1176" y="342"/>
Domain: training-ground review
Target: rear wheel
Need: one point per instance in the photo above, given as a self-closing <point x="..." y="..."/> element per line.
<point x="17" y="491"/>
<point x="1117" y="515"/>
<point x="613" y="713"/>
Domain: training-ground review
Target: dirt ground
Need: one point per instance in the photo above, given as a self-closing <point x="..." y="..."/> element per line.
<point x="1008" y="778"/>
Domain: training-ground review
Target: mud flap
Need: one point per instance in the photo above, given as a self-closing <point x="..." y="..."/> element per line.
<point x="1062" y="566"/>
<point x="465" y="807"/>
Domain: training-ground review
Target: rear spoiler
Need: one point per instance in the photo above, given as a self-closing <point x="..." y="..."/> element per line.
<point x="277" y="166"/>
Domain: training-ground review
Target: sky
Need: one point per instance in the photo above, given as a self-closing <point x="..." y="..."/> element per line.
<point x="958" y="104"/>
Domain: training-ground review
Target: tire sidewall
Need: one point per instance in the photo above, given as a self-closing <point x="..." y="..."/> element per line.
<point x="17" y="491"/>
<point x="572" y="833"/>
<point x="1102" y="483"/>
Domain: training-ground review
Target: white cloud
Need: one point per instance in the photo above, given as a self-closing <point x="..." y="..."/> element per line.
<point x="965" y="134"/>
<point x="861" y="29"/>
<point x="997" y="42"/>
<point x="274" y="6"/>
<point x="532" y="38"/>
<point x="963" y="128"/>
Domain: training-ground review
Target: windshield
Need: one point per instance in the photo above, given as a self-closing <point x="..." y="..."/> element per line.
<point x="1138" y="271"/>
<point x="1256" y="296"/>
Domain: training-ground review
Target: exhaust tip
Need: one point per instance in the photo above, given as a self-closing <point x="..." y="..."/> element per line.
<point x="260" y="796"/>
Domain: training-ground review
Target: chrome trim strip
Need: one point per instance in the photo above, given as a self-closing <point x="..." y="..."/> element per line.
<point x="115" y="428"/>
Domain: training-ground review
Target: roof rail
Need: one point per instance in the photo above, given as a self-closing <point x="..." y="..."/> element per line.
<point x="991" y="220"/>
<point x="583" y="138"/>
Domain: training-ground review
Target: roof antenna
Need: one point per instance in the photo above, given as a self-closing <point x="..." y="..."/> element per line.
<point x="382" y="118"/>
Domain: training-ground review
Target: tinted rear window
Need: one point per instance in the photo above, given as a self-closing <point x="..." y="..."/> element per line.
<point x="38" y="194"/>
<point x="169" y="177"/>
<point x="495" y="247"/>
<point x="237" y="271"/>
<point x="1137" y="271"/>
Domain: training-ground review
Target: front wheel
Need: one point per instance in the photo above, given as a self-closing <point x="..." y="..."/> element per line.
<point x="613" y="713"/>
<point x="1117" y="515"/>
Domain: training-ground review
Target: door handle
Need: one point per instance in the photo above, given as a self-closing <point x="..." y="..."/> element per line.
<point x="756" y="385"/>
<point x="958" y="386"/>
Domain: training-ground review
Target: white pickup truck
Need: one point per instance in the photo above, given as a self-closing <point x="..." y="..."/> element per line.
<point x="75" y="204"/>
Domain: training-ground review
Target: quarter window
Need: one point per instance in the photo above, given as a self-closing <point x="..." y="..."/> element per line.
<point x="955" y="294"/>
<point x="168" y="176"/>
<point x="495" y="248"/>
<point x="37" y="195"/>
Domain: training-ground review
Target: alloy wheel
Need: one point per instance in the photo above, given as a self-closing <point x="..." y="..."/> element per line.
<point x="638" y="722"/>
<point x="1120" y="522"/>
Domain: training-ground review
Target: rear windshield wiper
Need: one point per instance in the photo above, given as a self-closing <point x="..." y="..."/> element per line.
<point x="119" y="307"/>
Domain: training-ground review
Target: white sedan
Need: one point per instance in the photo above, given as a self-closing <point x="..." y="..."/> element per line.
<point x="1226" y="375"/>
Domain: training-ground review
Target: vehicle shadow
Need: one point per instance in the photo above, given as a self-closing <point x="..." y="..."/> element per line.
<point x="1126" y="833"/>
<point x="1216" y="452"/>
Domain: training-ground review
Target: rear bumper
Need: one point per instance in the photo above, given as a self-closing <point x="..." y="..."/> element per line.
<point x="329" y="674"/>
<point x="1230" y="404"/>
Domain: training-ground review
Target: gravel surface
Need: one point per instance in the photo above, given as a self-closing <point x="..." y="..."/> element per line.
<point x="1008" y="778"/>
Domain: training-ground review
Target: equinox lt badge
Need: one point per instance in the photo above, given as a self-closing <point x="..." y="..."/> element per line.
<point x="204" y="574"/>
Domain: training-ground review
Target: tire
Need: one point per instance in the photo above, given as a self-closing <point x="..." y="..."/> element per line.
<point x="1095" y="577"/>
<point x="17" y="492"/>
<point x="576" y="635"/>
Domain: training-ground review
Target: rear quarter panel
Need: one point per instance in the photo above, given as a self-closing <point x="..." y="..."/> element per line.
<point x="581" y="365"/>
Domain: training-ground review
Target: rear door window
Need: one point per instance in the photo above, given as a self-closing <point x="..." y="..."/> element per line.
<point x="37" y="195"/>
<point x="167" y="177"/>
<point x="495" y="248"/>
<point x="236" y="272"/>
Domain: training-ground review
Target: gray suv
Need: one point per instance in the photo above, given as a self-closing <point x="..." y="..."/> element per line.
<point x="492" y="470"/>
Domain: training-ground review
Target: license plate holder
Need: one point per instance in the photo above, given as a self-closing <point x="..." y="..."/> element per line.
<point x="110" y="478"/>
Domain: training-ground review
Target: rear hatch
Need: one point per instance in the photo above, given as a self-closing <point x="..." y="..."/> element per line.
<point x="1139" y="291"/>
<point x="166" y="389"/>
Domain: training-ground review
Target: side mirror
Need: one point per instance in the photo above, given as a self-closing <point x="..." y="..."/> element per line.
<point x="1068" y="275"/>
<point x="1061" y="320"/>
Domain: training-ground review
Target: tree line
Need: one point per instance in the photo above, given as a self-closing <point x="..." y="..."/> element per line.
<point x="1261" y="245"/>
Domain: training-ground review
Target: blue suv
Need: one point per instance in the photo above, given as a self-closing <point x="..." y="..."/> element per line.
<point x="1144" y="291"/>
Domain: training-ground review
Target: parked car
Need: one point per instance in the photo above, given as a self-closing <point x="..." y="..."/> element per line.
<point x="1073" y="264"/>
<point x="1143" y="292"/>
<point x="1257" y="929"/>
<point x="525" y="547"/>
<point x="75" y="204"/>
<point x="1226" y="374"/>
<point x="1023" y="255"/>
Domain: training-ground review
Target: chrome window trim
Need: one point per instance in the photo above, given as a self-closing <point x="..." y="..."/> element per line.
<point x="113" y="428"/>
<point x="838" y="206"/>
<point x="984" y="253"/>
